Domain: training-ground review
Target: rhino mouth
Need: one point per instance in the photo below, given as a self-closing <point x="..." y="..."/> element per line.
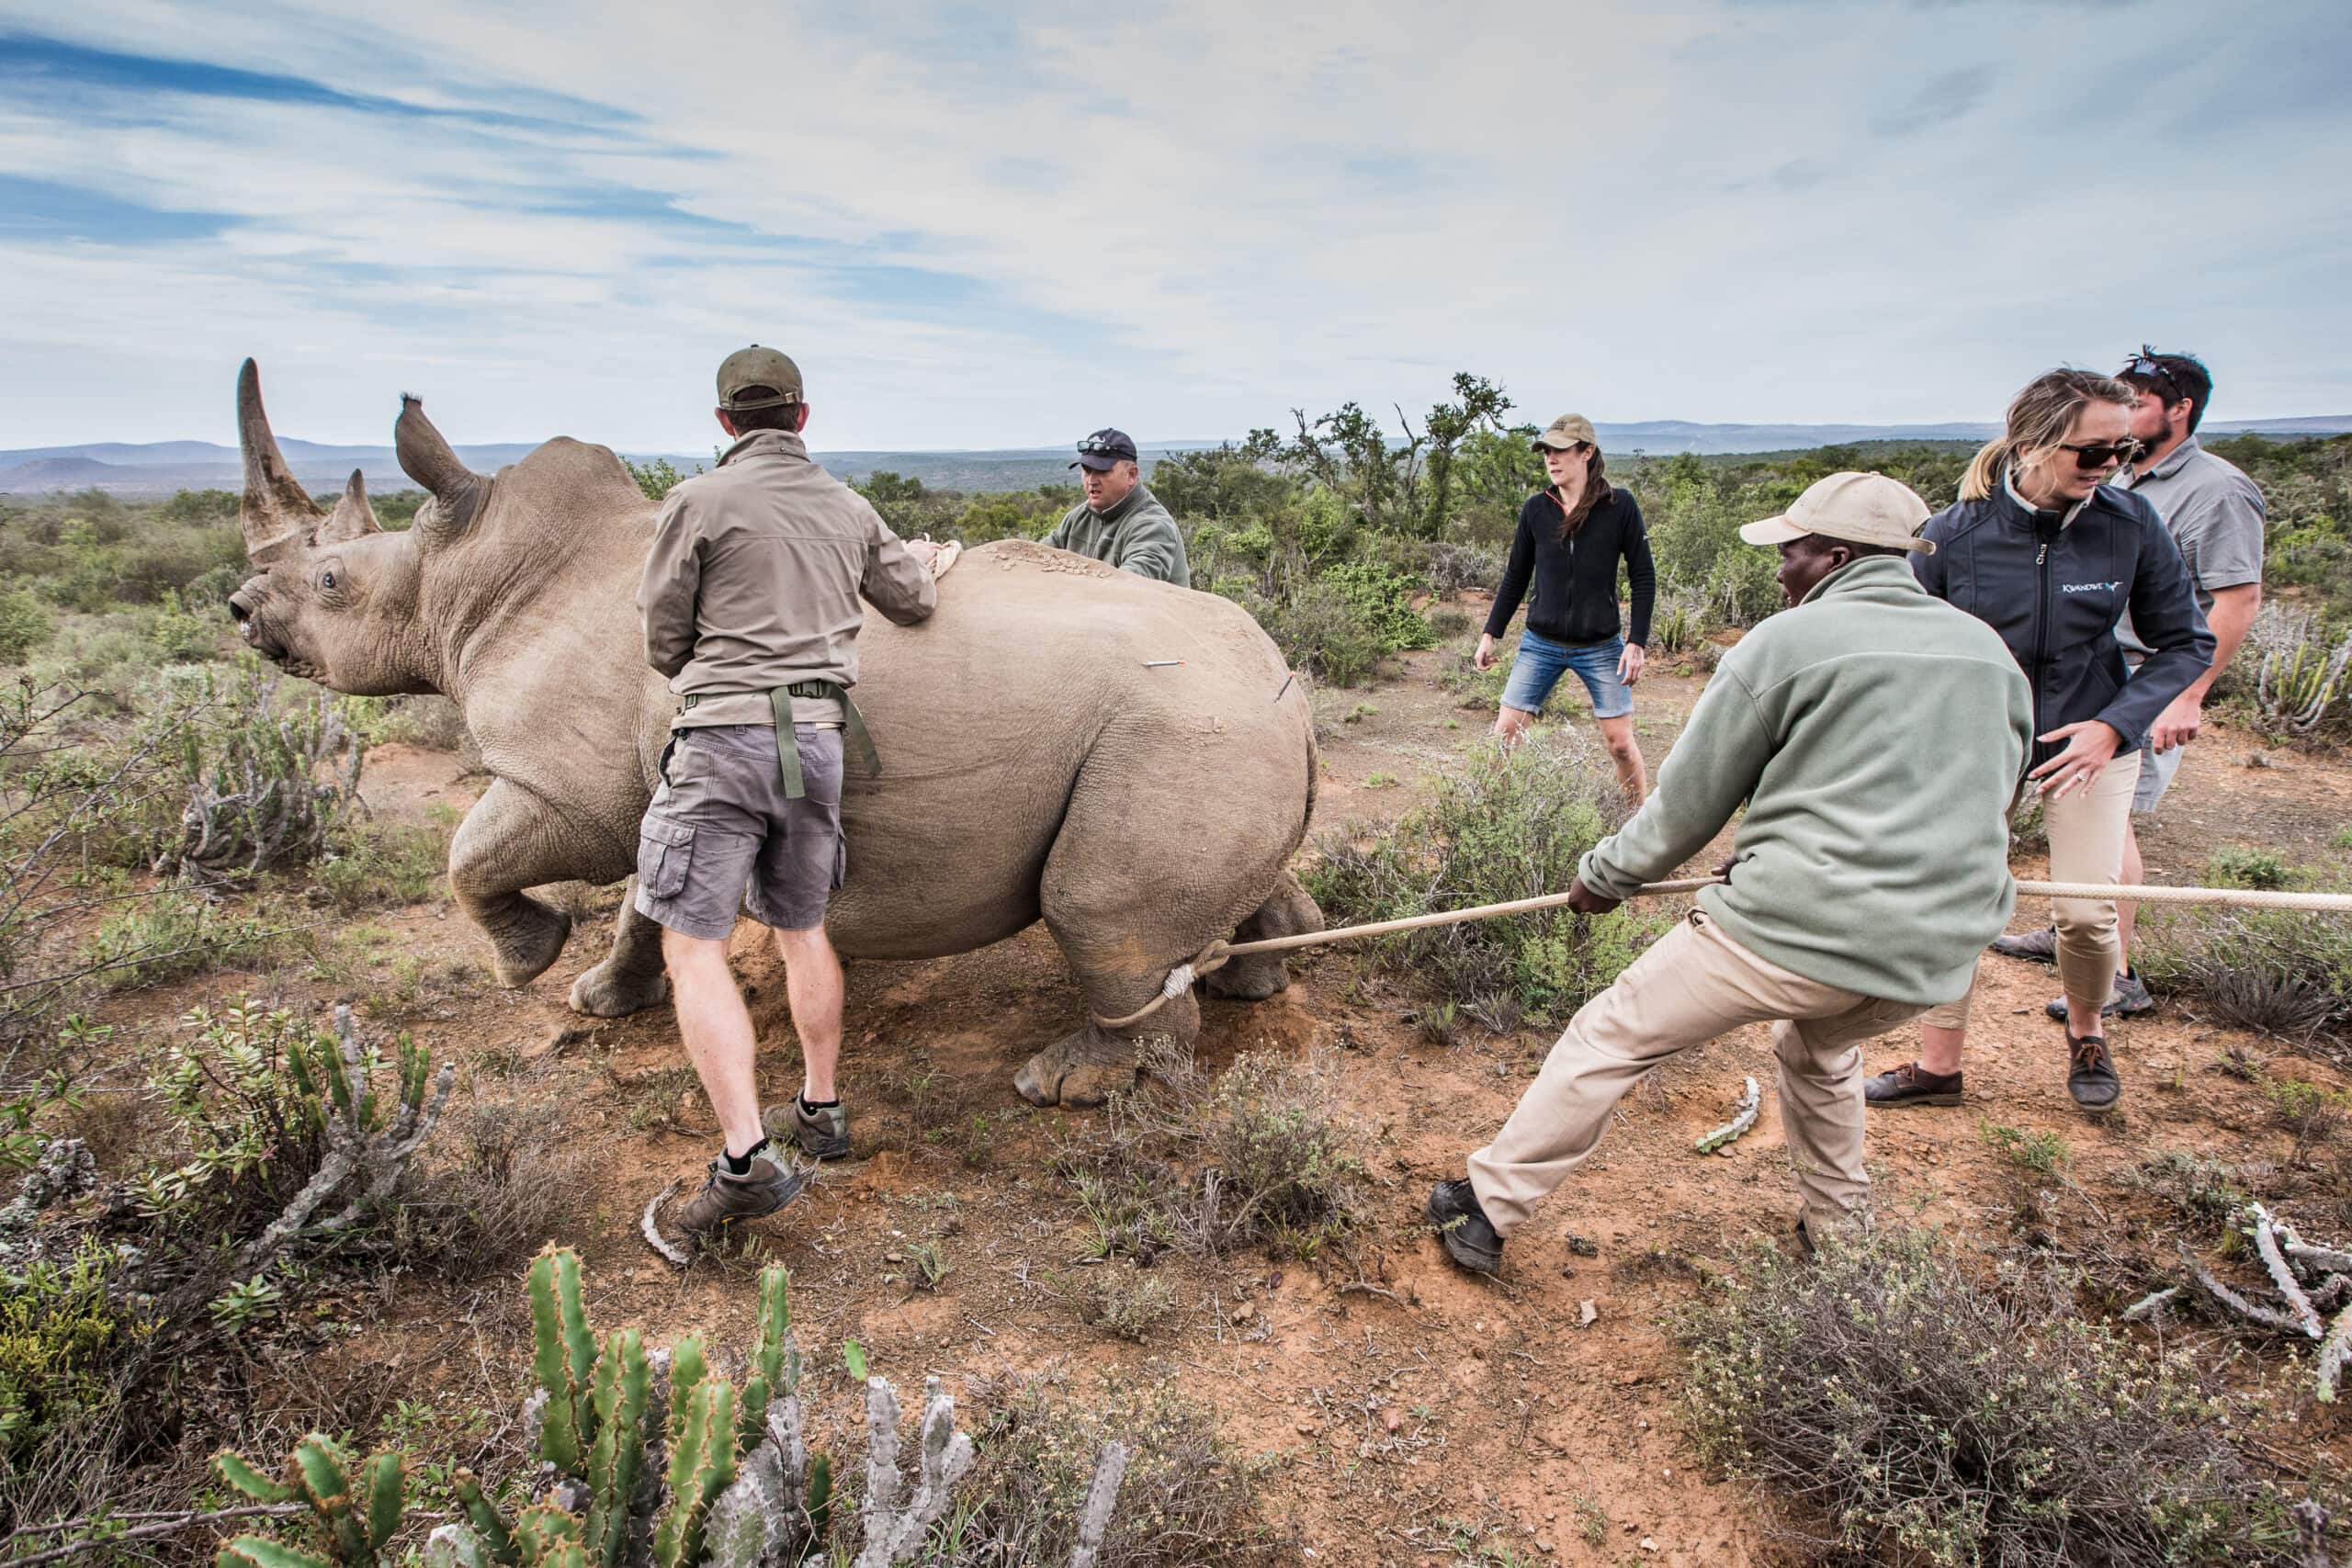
<point x="250" y="629"/>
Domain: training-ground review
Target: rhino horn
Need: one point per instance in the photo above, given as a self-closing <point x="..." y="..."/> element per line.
<point x="352" y="518"/>
<point x="277" y="514"/>
<point x="432" y="463"/>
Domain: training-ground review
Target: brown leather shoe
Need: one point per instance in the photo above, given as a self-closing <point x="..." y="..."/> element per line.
<point x="2092" y="1078"/>
<point x="1911" y="1084"/>
<point x="726" y="1198"/>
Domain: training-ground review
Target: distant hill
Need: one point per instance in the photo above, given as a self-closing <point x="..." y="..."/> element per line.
<point x="153" y="469"/>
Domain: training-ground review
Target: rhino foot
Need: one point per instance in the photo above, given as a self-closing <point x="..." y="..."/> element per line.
<point x="526" y="941"/>
<point x="606" y="991"/>
<point x="1080" y="1069"/>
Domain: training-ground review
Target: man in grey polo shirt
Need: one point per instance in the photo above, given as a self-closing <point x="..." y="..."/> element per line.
<point x="1120" y="522"/>
<point x="2214" y="514"/>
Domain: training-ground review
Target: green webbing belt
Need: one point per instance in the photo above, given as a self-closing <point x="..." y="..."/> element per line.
<point x="787" y="751"/>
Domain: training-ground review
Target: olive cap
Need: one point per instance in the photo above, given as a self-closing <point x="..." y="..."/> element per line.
<point x="757" y="378"/>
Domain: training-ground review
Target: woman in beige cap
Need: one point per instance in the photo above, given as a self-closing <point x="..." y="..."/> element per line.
<point x="1571" y="535"/>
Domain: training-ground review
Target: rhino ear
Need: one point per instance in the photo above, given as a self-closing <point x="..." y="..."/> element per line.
<point x="352" y="518"/>
<point x="430" y="462"/>
<point x="277" y="514"/>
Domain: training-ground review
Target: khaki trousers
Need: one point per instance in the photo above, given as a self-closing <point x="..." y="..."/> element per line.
<point x="1694" y="984"/>
<point x="2087" y="831"/>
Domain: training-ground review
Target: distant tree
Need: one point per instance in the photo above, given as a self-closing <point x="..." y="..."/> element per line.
<point x="1405" y="486"/>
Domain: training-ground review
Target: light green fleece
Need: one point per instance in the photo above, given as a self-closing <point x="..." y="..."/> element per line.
<point x="1877" y="736"/>
<point x="1135" y="536"/>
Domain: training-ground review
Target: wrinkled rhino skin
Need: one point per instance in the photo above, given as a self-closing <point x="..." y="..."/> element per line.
<point x="1032" y="766"/>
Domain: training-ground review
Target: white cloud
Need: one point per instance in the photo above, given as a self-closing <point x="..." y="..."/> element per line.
<point x="1189" y="221"/>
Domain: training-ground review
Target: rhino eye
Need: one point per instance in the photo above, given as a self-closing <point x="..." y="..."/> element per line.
<point x="326" y="580"/>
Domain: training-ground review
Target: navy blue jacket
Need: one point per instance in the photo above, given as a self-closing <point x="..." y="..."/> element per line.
<point x="2054" y="594"/>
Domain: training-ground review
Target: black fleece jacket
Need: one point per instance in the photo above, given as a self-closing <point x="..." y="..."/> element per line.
<point x="2054" y="590"/>
<point x="1576" y="579"/>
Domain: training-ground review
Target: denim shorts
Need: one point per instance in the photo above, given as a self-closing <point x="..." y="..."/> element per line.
<point x="1542" y="662"/>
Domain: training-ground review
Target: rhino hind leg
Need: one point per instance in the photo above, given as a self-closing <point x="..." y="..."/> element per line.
<point x="1287" y="911"/>
<point x="1091" y="1063"/>
<point x="630" y="978"/>
<point x="511" y="840"/>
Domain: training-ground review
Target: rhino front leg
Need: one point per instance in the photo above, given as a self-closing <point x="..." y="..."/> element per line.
<point x="510" y="840"/>
<point x="632" y="978"/>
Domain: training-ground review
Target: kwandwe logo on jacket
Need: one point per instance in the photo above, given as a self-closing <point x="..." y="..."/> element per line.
<point x="2089" y="587"/>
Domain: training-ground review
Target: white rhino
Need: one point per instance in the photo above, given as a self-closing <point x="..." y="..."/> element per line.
<point x="1033" y="766"/>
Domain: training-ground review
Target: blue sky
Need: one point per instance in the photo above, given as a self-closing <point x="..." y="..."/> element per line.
<point x="986" y="226"/>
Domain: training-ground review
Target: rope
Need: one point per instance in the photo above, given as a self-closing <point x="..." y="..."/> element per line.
<point x="1218" y="953"/>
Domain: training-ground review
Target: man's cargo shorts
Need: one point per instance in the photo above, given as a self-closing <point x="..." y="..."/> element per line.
<point x="720" y="836"/>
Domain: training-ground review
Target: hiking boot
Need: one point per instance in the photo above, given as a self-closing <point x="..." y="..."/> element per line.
<point x="821" y="1132"/>
<point x="726" y="1198"/>
<point x="1462" y="1226"/>
<point x="2040" y="946"/>
<point x="1911" y="1084"/>
<point x="2130" y="1001"/>
<point x="1804" y="1240"/>
<point x="2092" y="1080"/>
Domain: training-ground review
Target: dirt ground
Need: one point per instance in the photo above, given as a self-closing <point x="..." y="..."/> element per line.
<point x="1416" y="1414"/>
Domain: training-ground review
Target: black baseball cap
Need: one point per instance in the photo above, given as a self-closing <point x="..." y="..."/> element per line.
<point x="1105" y="450"/>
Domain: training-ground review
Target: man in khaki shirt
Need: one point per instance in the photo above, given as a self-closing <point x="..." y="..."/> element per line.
<point x="751" y="604"/>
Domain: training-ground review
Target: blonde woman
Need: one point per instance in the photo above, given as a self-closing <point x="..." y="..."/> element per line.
<point x="2042" y="550"/>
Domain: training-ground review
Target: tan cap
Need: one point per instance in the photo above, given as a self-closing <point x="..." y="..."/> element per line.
<point x="1862" y="508"/>
<point x="1565" y="431"/>
<point x="757" y="378"/>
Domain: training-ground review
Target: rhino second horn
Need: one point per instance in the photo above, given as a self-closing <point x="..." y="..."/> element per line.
<point x="352" y="518"/>
<point x="430" y="462"/>
<point x="276" y="513"/>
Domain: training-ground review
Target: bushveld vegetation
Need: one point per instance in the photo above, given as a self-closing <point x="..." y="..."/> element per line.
<point x="168" y="809"/>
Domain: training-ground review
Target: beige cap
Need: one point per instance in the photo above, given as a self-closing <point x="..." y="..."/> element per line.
<point x="1565" y="431"/>
<point x="757" y="378"/>
<point x="1862" y="508"/>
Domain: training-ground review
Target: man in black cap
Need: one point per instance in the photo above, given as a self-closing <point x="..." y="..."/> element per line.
<point x="1120" y="521"/>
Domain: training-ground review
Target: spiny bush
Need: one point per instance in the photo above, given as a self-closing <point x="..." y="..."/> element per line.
<point x="1914" y="1413"/>
<point x="2285" y="972"/>
<point x="1265" y="1156"/>
<point x="1455" y="567"/>
<point x="267" y="783"/>
<point x="1502" y="828"/>
<point x="1190" y="1499"/>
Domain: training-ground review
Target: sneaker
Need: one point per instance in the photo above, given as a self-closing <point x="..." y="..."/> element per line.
<point x="822" y="1132"/>
<point x="1911" y="1084"/>
<point x="2092" y="1080"/>
<point x="2130" y="1001"/>
<point x="726" y="1198"/>
<point x="2042" y="945"/>
<point x="1462" y="1226"/>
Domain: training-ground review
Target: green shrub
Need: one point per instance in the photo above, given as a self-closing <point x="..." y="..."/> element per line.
<point x="1501" y="827"/>
<point x="2259" y="869"/>
<point x="170" y="935"/>
<point x="386" y="863"/>
<point x="62" y="1336"/>
<point x="24" y="625"/>
<point x="265" y="784"/>
<point x="179" y="635"/>
<point x="1927" y="1419"/>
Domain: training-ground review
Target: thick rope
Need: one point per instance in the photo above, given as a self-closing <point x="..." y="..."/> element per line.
<point x="1218" y="953"/>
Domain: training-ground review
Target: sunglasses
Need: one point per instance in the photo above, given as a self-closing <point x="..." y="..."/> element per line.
<point x="2091" y="454"/>
<point x="2145" y="366"/>
<point x="1092" y="448"/>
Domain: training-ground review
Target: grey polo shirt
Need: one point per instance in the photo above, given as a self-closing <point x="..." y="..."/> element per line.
<point x="2214" y="514"/>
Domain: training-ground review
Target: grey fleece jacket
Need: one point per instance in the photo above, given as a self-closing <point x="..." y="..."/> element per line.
<point x="1876" y="734"/>
<point x="1135" y="536"/>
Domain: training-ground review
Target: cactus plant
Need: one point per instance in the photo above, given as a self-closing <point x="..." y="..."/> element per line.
<point x="692" y="1474"/>
<point x="356" y="1507"/>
